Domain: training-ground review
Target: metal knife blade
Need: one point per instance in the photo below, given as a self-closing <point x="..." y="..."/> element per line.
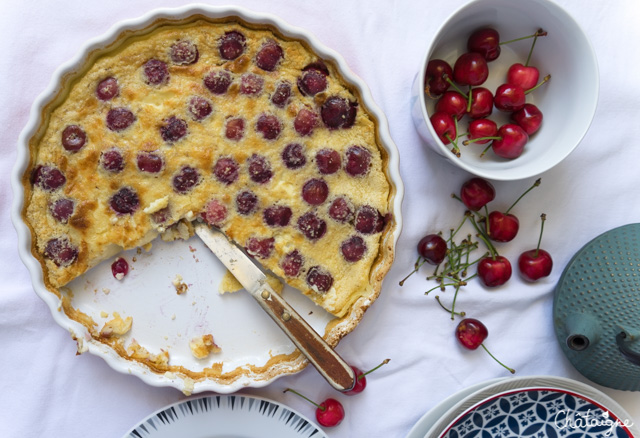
<point x="320" y="354"/>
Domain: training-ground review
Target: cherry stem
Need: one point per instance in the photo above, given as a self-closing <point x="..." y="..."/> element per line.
<point x="543" y="218"/>
<point x="535" y="38"/>
<point x="544" y="80"/>
<point x="511" y="370"/>
<point x="535" y="184"/>
<point x="448" y="79"/>
<point x="416" y="266"/>
<point x="481" y="234"/>
<point x="485" y="150"/>
<point x="473" y="140"/>
<point x="455" y="149"/>
<point x="384" y="362"/>
<point x="462" y="314"/>
<point x="322" y="408"/>
<point x="469" y="100"/>
<point x="538" y="33"/>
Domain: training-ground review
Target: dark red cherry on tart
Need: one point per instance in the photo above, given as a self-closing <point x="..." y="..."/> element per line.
<point x="293" y="156"/>
<point x="251" y="84"/>
<point x="125" y="201"/>
<point x="260" y="247"/>
<point x="337" y="112"/>
<point x="368" y="220"/>
<point x="353" y="249"/>
<point x="218" y="81"/>
<point x="358" y="161"/>
<point x="173" y="129"/>
<point x="184" y="52"/>
<point x="226" y="170"/>
<point x="246" y="202"/>
<point x="61" y="251"/>
<point x="231" y="45"/>
<point x="282" y="94"/>
<point x="292" y="263"/>
<point x="319" y="279"/>
<point x="305" y="121"/>
<point x="199" y="108"/>
<point x="312" y="226"/>
<point x="234" y="128"/>
<point x="269" y="126"/>
<point x="269" y="55"/>
<point x="341" y="210"/>
<point x="277" y="215"/>
<point x="259" y="168"/>
<point x="150" y="162"/>
<point x="215" y="213"/>
<point x="73" y="138"/>
<point x="328" y="161"/>
<point x="155" y="72"/>
<point x="315" y="191"/>
<point x="119" y="119"/>
<point x="62" y="209"/>
<point x="107" y="88"/>
<point x="186" y="179"/>
<point x="313" y="80"/>
<point x="47" y="177"/>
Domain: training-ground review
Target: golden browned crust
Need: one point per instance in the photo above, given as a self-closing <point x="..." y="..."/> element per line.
<point x="97" y="232"/>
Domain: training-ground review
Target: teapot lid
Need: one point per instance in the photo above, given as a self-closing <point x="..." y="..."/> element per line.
<point x="596" y="309"/>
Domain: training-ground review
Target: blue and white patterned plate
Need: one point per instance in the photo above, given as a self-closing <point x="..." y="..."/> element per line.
<point x="538" y="412"/>
<point x="226" y="416"/>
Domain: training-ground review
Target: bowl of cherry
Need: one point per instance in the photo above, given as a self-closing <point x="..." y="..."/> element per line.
<point x="506" y="89"/>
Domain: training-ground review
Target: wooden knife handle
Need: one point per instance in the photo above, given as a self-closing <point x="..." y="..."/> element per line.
<point x="332" y="367"/>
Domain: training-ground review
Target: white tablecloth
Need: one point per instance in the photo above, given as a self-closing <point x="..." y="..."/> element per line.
<point x="46" y="390"/>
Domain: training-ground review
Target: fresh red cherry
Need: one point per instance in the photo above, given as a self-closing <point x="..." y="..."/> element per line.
<point x="329" y="413"/>
<point x="476" y="193"/>
<point x="444" y="126"/>
<point x="481" y="128"/>
<point x="361" y="378"/>
<point x="511" y="142"/>
<point x="509" y="98"/>
<point x="481" y="103"/>
<point x="471" y="333"/>
<point x="525" y="76"/>
<point x="486" y="42"/>
<point x="535" y="263"/>
<point x="470" y="69"/>
<point x="433" y="248"/>
<point x="435" y="81"/>
<point x="503" y="227"/>
<point x="494" y="271"/>
<point x="528" y="118"/>
<point x="453" y="103"/>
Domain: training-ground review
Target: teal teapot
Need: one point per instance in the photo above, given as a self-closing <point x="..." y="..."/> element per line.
<point x="596" y="309"/>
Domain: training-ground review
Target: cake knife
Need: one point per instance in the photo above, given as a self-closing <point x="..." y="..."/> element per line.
<point x="330" y="365"/>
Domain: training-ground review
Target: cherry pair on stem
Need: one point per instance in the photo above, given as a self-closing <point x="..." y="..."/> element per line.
<point x="330" y="412"/>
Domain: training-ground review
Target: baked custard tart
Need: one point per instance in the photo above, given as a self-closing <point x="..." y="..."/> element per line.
<point x="223" y="121"/>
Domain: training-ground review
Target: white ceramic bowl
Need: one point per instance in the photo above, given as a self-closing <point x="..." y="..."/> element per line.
<point x="251" y="335"/>
<point x="568" y="101"/>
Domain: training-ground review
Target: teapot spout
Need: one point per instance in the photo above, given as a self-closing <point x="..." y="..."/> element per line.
<point x="583" y="330"/>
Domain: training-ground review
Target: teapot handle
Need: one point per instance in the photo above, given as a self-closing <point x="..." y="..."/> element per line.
<point x="627" y="352"/>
